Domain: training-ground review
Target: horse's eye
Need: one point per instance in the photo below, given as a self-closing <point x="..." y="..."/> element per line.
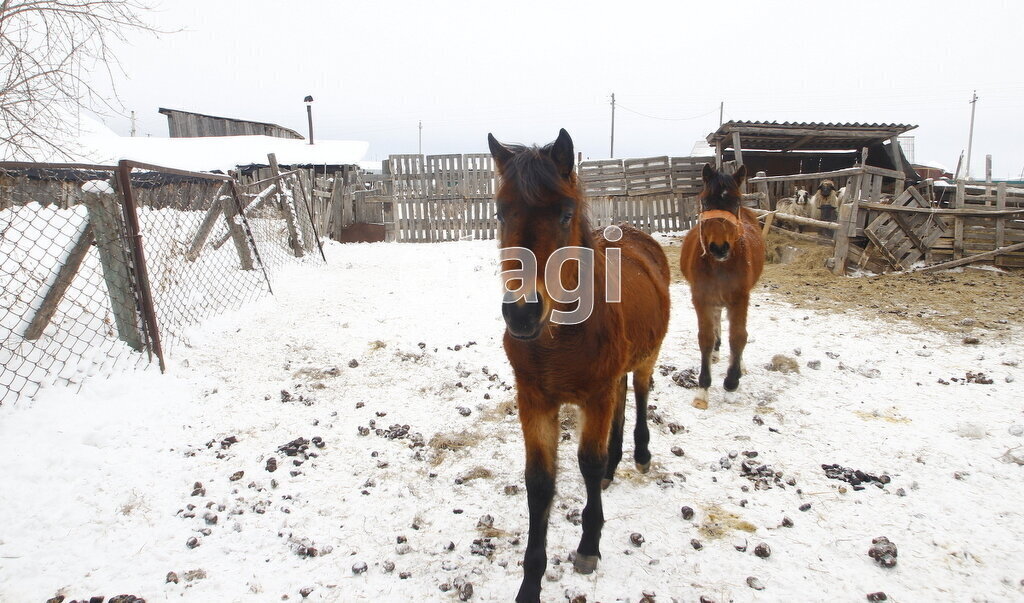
<point x="500" y="217"/>
<point x="566" y="218"/>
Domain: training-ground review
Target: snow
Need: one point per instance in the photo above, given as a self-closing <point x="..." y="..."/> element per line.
<point x="86" y="140"/>
<point x="97" y="483"/>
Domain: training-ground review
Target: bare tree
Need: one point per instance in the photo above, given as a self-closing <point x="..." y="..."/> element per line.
<point x="51" y="52"/>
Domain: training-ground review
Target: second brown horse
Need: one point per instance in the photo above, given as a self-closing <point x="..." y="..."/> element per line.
<point x="722" y="258"/>
<point x="541" y="209"/>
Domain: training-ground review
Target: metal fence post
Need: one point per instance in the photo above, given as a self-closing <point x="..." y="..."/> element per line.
<point x="124" y="174"/>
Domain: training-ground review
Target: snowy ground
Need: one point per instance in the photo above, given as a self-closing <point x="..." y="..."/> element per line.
<point x="98" y="486"/>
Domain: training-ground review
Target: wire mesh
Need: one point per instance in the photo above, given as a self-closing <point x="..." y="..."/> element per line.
<point x="71" y="300"/>
<point x="57" y="318"/>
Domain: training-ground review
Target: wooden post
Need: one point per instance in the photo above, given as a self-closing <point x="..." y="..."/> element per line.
<point x="1000" y="221"/>
<point x="65" y="275"/>
<point x="237" y="235"/>
<point x="897" y="160"/>
<point x="988" y="180"/>
<point x="207" y="226"/>
<point x="718" y="155"/>
<point x="842" y="238"/>
<point x="958" y="221"/>
<point x="107" y="225"/>
<point x="762" y="187"/>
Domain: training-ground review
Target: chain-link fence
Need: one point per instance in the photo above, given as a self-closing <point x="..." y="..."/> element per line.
<point x="103" y="265"/>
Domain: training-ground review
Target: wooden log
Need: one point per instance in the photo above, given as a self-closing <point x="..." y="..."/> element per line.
<point x="196" y="247"/>
<point x="65" y="275"/>
<point x="803" y="221"/>
<point x="107" y="224"/>
<point x="230" y="210"/>
<point x="973" y="258"/>
<point x="802" y="236"/>
<point x="1000" y="222"/>
<point x="768" y="219"/>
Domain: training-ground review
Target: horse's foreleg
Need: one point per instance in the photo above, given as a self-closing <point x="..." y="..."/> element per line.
<point x="706" y="340"/>
<point x="737" y="341"/>
<point x="615" y="438"/>
<point x="641" y="435"/>
<point x="539" y="420"/>
<point x="597" y="413"/>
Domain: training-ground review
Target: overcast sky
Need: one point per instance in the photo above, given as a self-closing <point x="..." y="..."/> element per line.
<point x="523" y="69"/>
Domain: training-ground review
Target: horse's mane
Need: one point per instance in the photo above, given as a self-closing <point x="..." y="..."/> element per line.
<point x="536" y="176"/>
<point x="720" y="193"/>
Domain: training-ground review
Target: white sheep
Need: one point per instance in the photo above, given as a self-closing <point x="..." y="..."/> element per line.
<point x="797" y="205"/>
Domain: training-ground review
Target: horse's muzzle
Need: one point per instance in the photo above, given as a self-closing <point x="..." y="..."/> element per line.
<point x="523" y="319"/>
<point x="719" y="252"/>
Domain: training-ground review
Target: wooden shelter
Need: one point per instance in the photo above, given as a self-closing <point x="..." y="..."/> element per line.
<point x="794" y="148"/>
<point x="186" y="124"/>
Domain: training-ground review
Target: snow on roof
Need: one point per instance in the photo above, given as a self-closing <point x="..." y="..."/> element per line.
<point x="85" y="140"/>
<point x="226" y="152"/>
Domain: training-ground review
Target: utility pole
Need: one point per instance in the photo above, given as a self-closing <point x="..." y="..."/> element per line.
<point x="970" y="138"/>
<point x="421" y="138"/>
<point x="611" y="152"/>
<point x="721" y="112"/>
<point x="309" y="115"/>
<point x="133" y="124"/>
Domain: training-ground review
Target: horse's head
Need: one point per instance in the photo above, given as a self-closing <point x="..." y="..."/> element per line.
<point x="540" y="210"/>
<point x="826" y="187"/>
<point x="720" y="208"/>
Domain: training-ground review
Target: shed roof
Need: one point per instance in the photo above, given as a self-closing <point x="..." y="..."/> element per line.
<point x="168" y="112"/>
<point x="804" y="136"/>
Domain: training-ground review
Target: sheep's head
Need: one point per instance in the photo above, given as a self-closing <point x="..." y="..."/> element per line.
<point x="826" y="188"/>
<point x="801" y="197"/>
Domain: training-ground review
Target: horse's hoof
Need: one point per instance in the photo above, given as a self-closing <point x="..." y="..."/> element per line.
<point x="701" y="399"/>
<point x="585" y="564"/>
<point x="643" y="467"/>
<point x="731" y="398"/>
<point x="605" y="483"/>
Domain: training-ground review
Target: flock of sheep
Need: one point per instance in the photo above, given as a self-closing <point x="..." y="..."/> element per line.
<point x="810" y="206"/>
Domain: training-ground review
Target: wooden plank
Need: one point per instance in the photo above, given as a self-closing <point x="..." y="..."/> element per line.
<point x="65" y="275"/>
<point x="199" y="240"/>
<point x="973" y="258"/>
<point x="958" y="222"/>
<point x="842" y="238"/>
<point x="1000" y="222"/>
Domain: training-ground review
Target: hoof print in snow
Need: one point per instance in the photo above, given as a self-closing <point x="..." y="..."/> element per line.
<point x="687" y="513"/>
<point x="192" y="542"/>
<point x="754" y="583"/>
<point x="883" y="551"/>
<point x="359" y="567"/>
<point x="353" y="363"/>
<point x="237" y="475"/>
<point x="805" y="507"/>
<point x="305" y="591"/>
<point x="198" y="489"/>
<point x="636" y="539"/>
<point x="388" y="567"/>
<point x="696" y="544"/>
<point x="763" y="550"/>
<point x="879" y="596"/>
<point x="172" y="577"/>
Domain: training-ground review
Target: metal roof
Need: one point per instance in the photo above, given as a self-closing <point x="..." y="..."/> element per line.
<point x="808" y="136"/>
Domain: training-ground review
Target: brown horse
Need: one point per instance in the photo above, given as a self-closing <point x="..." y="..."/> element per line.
<point x="722" y="259"/>
<point x="541" y="209"/>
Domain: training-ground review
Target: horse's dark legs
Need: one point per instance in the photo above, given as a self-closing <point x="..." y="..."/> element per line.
<point x="615" y="438"/>
<point x="539" y="421"/>
<point x="597" y="414"/>
<point x="641" y="435"/>
<point x="718" y="334"/>
<point x="706" y="340"/>
<point x="737" y="341"/>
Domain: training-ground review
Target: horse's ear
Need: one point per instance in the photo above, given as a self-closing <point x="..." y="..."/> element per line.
<point x="500" y="152"/>
<point x="740" y="175"/>
<point x="707" y="173"/>
<point x="562" y="153"/>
